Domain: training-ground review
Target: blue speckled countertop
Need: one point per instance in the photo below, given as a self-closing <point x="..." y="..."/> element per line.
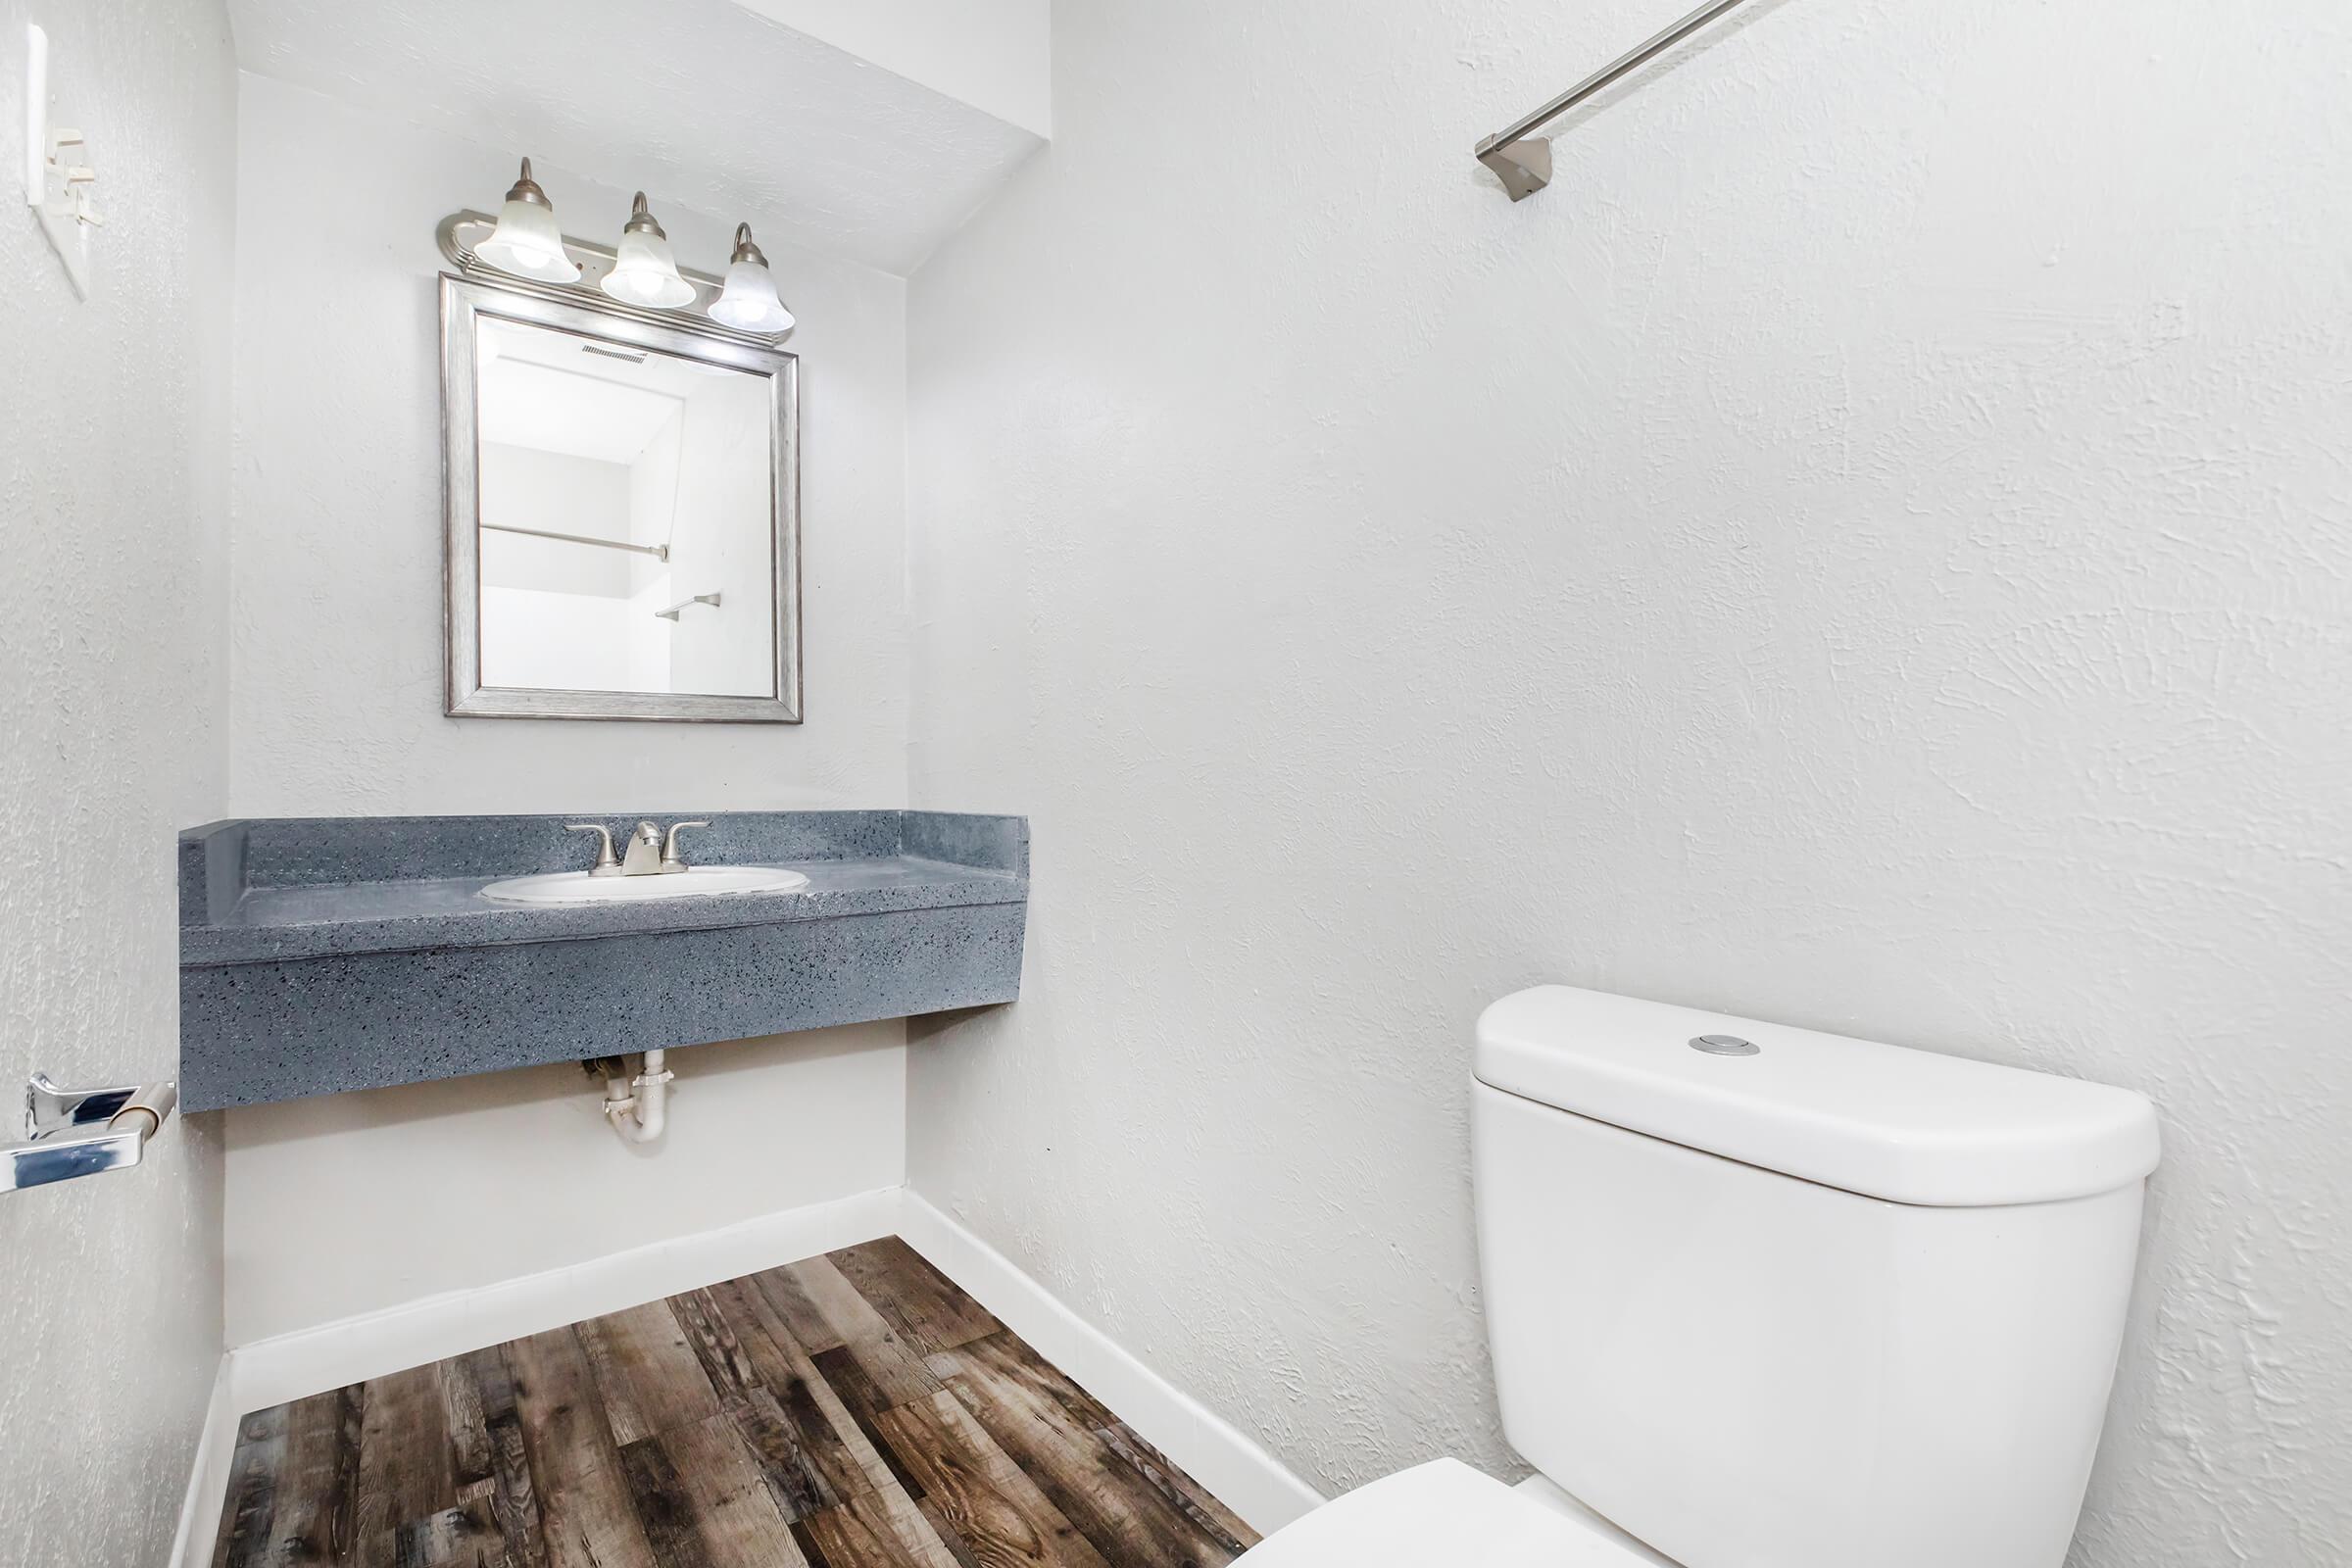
<point x="322" y="954"/>
<point x="280" y="887"/>
<point x="346" y="917"/>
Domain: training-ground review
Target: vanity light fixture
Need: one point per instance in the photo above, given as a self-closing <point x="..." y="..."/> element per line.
<point x="523" y="249"/>
<point x="749" y="301"/>
<point x="526" y="241"/>
<point x="644" y="272"/>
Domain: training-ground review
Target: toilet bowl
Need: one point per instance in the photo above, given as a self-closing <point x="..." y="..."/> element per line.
<point x="1764" y="1297"/>
<point x="1445" y="1512"/>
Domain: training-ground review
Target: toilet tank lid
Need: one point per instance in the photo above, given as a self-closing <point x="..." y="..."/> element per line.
<point x="1908" y="1126"/>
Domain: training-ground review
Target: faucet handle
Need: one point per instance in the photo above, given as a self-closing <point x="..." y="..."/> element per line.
<point x="606" y="862"/>
<point x="669" y="849"/>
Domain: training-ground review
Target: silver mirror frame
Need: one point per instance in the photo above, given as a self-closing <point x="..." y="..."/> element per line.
<point x="462" y="302"/>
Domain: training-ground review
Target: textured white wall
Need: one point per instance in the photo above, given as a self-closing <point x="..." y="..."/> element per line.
<point x="705" y="101"/>
<point x="347" y="1204"/>
<point x="337" y="664"/>
<point x="113" y="526"/>
<point x="1866" y="549"/>
<point x="337" y="647"/>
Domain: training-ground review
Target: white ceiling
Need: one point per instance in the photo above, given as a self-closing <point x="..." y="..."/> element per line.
<point x="700" y="102"/>
<point x="996" y="55"/>
<point x="525" y="404"/>
<point x="554" y="392"/>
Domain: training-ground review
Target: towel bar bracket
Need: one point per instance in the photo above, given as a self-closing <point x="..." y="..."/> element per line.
<point x="1524" y="167"/>
<point x="1522" y="160"/>
<point x="81" y="1132"/>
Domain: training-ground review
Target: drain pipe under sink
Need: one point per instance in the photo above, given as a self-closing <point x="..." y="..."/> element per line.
<point x="637" y="1107"/>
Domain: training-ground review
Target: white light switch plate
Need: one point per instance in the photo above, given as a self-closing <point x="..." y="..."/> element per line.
<point x="59" y="208"/>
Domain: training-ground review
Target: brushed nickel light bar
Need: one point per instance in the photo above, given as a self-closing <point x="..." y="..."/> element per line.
<point x="1522" y="161"/>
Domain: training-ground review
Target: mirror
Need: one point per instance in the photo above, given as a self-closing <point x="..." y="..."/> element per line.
<point x="621" y="516"/>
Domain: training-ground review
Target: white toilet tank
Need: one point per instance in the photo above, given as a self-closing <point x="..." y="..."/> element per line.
<point x="1792" y="1301"/>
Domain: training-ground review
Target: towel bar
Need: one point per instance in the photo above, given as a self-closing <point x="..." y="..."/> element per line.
<point x="1522" y="160"/>
<point x="80" y="1132"/>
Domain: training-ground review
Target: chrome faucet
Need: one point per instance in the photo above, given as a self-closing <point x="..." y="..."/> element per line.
<point x="645" y="853"/>
<point x="650" y="852"/>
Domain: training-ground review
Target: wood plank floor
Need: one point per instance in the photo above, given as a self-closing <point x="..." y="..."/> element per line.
<point x="854" y="1410"/>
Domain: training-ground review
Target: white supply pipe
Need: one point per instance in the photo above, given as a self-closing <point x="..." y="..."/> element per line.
<point x="636" y="1106"/>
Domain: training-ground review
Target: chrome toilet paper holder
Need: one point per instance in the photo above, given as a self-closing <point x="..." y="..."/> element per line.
<point x="80" y="1132"/>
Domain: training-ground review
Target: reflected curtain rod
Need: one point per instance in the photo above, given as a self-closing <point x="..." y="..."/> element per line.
<point x="658" y="552"/>
<point x="1523" y="162"/>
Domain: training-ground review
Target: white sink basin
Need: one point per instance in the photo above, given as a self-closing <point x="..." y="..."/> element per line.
<point x="578" y="887"/>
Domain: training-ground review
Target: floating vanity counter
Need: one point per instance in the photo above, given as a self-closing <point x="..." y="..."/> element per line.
<point x="333" y="953"/>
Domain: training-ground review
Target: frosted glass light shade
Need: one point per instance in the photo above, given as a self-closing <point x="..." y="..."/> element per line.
<point x="647" y="274"/>
<point x="644" y="273"/>
<point x="526" y="241"/>
<point x="749" y="303"/>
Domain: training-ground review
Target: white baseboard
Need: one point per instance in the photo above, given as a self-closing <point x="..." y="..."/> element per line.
<point x="352" y="1349"/>
<point x="1238" y="1473"/>
<point x="267" y="1372"/>
<point x="208" y="1477"/>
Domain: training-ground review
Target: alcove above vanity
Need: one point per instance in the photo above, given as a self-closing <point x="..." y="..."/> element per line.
<point x="323" y="955"/>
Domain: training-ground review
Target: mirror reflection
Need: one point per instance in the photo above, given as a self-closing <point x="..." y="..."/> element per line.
<point x="626" y="527"/>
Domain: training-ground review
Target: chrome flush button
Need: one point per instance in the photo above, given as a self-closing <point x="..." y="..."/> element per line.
<point x="1725" y="1045"/>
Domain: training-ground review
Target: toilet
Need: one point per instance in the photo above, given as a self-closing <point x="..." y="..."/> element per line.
<point x="1764" y="1297"/>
